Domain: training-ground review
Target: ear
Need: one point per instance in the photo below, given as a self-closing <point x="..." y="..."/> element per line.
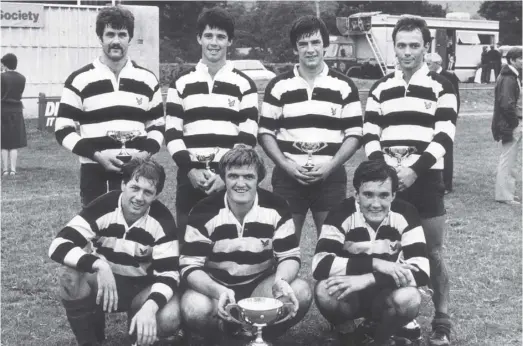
<point x="229" y="43"/>
<point x="393" y="195"/>
<point x="199" y="39"/>
<point x="122" y="186"/>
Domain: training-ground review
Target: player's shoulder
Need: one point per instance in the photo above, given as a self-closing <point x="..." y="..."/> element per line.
<point x="280" y="78"/>
<point x="338" y="75"/>
<point x="81" y="71"/>
<point x="270" y="200"/>
<point x="404" y="208"/>
<point x="184" y="73"/>
<point x="159" y="211"/>
<point x="382" y="81"/>
<point x="146" y="71"/>
<point x="101" y="206"/>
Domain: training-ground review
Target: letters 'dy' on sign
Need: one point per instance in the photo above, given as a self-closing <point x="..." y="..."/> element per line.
<point x="19" y="15"/>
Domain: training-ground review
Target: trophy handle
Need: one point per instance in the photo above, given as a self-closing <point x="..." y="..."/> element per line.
<point x="231" y="307"/>
<point x="322" y="146"/>
<point x="288" y="307"/>
<point x="296" y="146"/>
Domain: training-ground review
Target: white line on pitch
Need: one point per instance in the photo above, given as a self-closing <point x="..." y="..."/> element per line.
<point x="32" y="197"/>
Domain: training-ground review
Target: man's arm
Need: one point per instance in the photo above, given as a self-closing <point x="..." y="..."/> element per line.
<point x="444" y="129"/>
<point x="372" y="125"/>
<point x="174" y="128"/>
<point x="249" y="115"/>
<point x="508" y="97"/>
<point x="155" y="123"/>
<point x="285" y="245"/>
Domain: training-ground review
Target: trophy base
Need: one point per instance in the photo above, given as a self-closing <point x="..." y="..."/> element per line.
<point x="259" y="343"/>
<point x="124" y="158"/>
<point x="308" y="168"/>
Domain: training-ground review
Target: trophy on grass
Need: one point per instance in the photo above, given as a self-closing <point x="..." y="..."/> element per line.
<point x="400" y="153"/>
<point x="260" y="312"/>
<point x="123" y="137"/>
<point x="207" y="158"/>
<point x="309" y="148"/>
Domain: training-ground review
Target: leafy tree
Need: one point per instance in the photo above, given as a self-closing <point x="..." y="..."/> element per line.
<point x="508" y="13"/>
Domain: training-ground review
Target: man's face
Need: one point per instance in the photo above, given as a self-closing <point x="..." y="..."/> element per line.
<point x="137" y="196"/>
<point x="375" y="198"/>
<point x="431" y="64"/>
<point x="516" y="63"/>
<point x="214" y="44"/>
<point x="115" y="43"/>
<point x="409" y="49"/>
<point x="241" y="183"/>
<point x="310" y="51"/>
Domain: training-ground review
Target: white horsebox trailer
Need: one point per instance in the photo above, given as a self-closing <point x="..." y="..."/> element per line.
<point x="51" y="41"/>
<point x="459" y="41"/>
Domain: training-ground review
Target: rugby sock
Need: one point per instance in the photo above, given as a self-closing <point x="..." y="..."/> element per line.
<point x="99" y="323"/>
<point x="80" y="314"/>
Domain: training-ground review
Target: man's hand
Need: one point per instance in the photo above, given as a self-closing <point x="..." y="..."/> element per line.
<point x="227" y="297"/>
<point x="214" y="184"/>
<point x="144" y="323"/>
<point x="319" y="172"/>
<point x="343" y="285"/>
<point x="406" y="177"/>
<point x="108" y="161"/>
<point x="400" y="272"/>
<point x="283" y="291"/>
<point x="198" y="178"/>
<point x="142" y="155"/>
<point x="106" y="286"/>
<point x="297" y="172"/>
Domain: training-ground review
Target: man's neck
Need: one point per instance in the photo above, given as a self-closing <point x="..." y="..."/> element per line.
<point x="130" y="218"/>
<point x="214" y="67"/>
<point x="310" y="74"/>
<point x="407" y="74"/>
<point x="239" y="210"/>
<point x="115" y="66"/>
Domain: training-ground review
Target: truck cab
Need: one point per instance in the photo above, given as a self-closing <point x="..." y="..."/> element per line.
<point x="341" y="53"/>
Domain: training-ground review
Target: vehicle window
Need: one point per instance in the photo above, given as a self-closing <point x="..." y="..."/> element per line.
<point x="346" y="51"/>
<point x="331" y="50"/>
<point x="243" y="65"/>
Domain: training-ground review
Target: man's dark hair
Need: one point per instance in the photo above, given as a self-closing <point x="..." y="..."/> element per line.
<point x="10" y="61"/>
<point x="216" y="18"/>
<point x="307" y="26"/>
<point x="240" y="156"/>
<point x="375" y="170"/>
<point x="116" y="17"/>
<point x="146" y="168"/>
<point x="513" y="53"/>
<point x="411" y="23"/>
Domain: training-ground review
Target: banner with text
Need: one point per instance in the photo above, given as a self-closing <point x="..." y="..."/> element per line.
<point x="19" y="15"/>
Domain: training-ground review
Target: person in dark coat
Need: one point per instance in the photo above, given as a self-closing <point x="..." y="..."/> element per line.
<point x="494" y="58"/>
<point x="506" y="125"/>
<point x="485" y="66"/>
<point x="13" y="126"/>
<point x="434" y="61"/>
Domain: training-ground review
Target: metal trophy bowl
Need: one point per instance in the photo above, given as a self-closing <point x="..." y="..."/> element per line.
<point x="260" y="312"/>
<point x="309" y="148"/>
<point x="399" y="153"/>
<point x="123" y="137"/>
<point x="207" y="158"/>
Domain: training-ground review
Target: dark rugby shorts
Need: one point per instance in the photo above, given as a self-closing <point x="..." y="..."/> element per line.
<point x="426" y="194"/>
<point x="128" y="288"/>
<point x="186" y="195"/>
<point x="322" y="196"/>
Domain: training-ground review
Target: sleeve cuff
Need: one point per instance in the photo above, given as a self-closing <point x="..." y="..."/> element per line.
<point x="182" y="159"/>
<point x="158" y="298"/>
<point x="151" y="146"/>
<point x="359" y="266"/>
<point x="85" y="263"/>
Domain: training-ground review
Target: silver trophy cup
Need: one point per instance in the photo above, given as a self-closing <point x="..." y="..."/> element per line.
<point x="260" y="312"/>
<point x="123" y="137"/>
<point x="207" y="158"/>
<point x="399" y="153"/>
<point x="309" y="148"/>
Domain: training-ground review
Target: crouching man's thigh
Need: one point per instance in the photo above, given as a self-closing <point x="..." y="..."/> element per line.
<point x="404" y="302"/>
<point x="76" y="285"/>
<point x="199" y="312"/>
<point x="336" y="311"/>
<point x="168" y="318"/>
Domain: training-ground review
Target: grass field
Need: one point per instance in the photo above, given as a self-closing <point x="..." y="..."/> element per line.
<point x="483" y="247"/>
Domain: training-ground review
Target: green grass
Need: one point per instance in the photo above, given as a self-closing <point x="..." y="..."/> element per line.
<point x="483" y="247"/>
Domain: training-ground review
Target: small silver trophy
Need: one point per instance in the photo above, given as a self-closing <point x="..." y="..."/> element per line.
<point x="260" y="312"/>
<point x="123" y="137"/>
<point x="207" y="158"/>
<point x="309" y="148"/>
<point x="400" y="153"/>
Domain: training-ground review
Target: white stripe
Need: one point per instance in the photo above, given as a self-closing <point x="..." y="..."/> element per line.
<point x="413" y="132"/>
<point x="172" y="122"/>
<point x="211" y="100"/>
<point x="339" y="266"/>
<point x="60" y="123"/>
<point x="270" y="111"/>
<point x="176" y="146"/>
<point x="71" y="140"/>
<point x="192" y="235"/>
<point x="100" y="129"/>
<point x="163" y="289"/>
<point x="247" y="244"/>
<point x="358" y="247"/>
<point x="205" y="126"/>
<point x="311" y="134"/>
<point x="82" y="226"/>
<point x="289" y="253"/>
<point x="126" y="270"/>
<point x="56" y="243"/>
<point x="249" y="126"/>
<point x="406" y="104"/>
<point x="72" y="257"/>
<point x="71" y="98"/>
<point x="116" y="98"/>
<point x="157" y="136"/>
<point x="436" y="149"/>
<point x="249" y="101"/>
<point x="448" y="101"/>
<point x="285" y="230"/>
<point x="413" y="236"/>
<point x="352" y="109"/>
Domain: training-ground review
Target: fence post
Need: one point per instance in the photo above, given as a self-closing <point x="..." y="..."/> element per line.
<point x="41" y="111"/>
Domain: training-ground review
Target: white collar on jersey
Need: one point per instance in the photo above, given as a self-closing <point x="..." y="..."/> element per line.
<point x="201" y="67"/>
<point x="323" y="72"/>
<point x="420" y="73"/>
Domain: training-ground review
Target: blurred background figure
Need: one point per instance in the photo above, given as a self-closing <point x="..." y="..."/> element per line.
<point x="13" y="126"/>
<point x="485" y="66"/>
<point x="434" y="62"/>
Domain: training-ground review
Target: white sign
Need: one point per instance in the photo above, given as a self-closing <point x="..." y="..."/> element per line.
<point x="20" y="15"/>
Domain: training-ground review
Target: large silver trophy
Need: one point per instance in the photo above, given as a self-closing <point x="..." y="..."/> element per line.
<point x="260" y="312"/>
<point x="123" y="137"/>
<point x="309" y="148"/>
<point x="207" y="158"/>
<point x="400" y="153"/>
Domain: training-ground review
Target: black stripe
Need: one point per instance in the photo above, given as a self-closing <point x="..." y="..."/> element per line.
<point x="270" y="123"/>
<point x="247" y="138"/>
<point x="358" y="234"/>
<point x="163" y="215"/>
<point x="173" y="134"/>
<point x="250" y="113"/>
<point x="242" y="257"/>
<point x="61" y="251"/>
<point x="443" y="139"/>
<point x="156" y="112"/>
<point x="419" y="145"/>
<point x="327" y="95"/>
<point x="392" y="93"/>
<point x="415" y="250"/>
<point x="114" y="230"/>
<point x="369" y="137"/>
<point x="117" y="257"/>
<point x="323" y="268"/>
<point x="224" y="276"/>
<point x="103" y="143"/>
<point x="285" y="244"/>
<point x="61" y="134"/>
<point x="214" y="114"/>
<point x="226" y="231"/>
<point x="209" y="140"/>
<point x="287" y="147"/>
<point x="229" y="89"/>
<point x="328" y="245"/>
<point x="320" y="122"/>
<point x="359" y="264"/>
<point x="446" y="114"/>
<point x="97" y="87"/>
<point x="174" y="110"/>
<point x="69" y="112"/>
<point x="196" y="249"/>
<point x="406" y="118"/>
<point x="73" y="235"/>
<point x="294" y="96"/>
<point x="195" y="89"/>
<point x="422" y="92"/>
<point x="140" y="235"/>
<point x="389" y="233"/>
<point x="166" y="264"/>
<point x="258" y="230"/>
<point x="115" y="113"/>
<point x="136" y="87"/>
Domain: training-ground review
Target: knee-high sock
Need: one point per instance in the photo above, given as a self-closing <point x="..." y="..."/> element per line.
<point x="81" y="316"/>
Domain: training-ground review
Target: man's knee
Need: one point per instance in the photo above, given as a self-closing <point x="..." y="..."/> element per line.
<point x="405" y="302"/>
<point x="303" y="293"/>
<point x="73" y="284"/>
<point x="329" y="303"/>
<point x="196" y="309"/>
<point x="169" y="318"/>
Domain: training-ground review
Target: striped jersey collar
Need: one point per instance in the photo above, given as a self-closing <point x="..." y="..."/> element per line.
<point x="99" y="64"/>
<point x="423" y="71"/>
<point x="323" y="72"/>
<point x="385" y="222"/>
<point x="228" y="67"/>
<point x="122" y="217"/>
<point x="226" y="202"/>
